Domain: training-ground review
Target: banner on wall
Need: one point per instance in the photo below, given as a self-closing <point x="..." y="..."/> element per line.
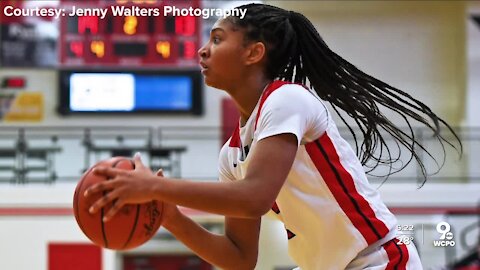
<point x="25" y="106"/>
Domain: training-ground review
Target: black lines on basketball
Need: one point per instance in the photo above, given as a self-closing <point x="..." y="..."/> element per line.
<point x="134" y="227"/>
<point x="136" y="216"/>
<point x="124" y="231"/>
<point x="102" y="212"/>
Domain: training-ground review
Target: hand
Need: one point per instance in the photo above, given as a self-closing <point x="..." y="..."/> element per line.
<point x="125" y="187"/>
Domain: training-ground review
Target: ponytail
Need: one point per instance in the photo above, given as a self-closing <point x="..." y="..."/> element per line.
<point x="349" y="90"/>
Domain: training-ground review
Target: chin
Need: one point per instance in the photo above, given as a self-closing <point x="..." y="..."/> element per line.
<point x="213" y="84"/>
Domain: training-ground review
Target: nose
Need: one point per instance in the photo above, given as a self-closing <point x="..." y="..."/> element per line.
<point x="203" y="51"/>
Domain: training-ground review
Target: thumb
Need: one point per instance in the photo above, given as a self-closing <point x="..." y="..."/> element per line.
<point x="137" y="159"/>
<point x="159" y="172"/>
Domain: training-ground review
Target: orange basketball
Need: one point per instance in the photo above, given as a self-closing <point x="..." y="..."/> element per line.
<point x="132" y="226"/>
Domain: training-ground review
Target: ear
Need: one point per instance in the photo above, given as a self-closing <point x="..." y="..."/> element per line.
<point x="255" y="53"/>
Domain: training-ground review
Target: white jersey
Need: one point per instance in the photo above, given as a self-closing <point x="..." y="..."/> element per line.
<point x="333" y="218"/>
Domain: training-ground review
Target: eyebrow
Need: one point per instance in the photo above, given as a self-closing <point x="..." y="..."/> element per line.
<point x="217" y="29"/>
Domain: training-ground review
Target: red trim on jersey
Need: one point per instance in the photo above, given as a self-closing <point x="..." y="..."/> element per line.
<point x="397" y="255"/>
<point x="275" y="208"/>
<point x="270" y="88"/>
<point x="341" y="184"/>
<point x="235" y="139"/>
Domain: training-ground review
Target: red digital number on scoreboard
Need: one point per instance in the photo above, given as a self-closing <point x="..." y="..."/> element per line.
<point x="110" y="39"/>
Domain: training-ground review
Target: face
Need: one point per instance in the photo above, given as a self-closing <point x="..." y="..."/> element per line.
<point x="222" y="58"/>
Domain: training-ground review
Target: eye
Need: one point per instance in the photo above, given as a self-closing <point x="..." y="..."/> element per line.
<point x="215" y="39"/>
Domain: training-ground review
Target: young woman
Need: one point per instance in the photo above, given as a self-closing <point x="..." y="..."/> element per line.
<point x="287" y="156"/>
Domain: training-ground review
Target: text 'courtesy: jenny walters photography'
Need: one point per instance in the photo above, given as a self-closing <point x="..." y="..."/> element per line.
<point x="120" y="11"/>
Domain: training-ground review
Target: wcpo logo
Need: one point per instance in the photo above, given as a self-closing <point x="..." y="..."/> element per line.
<point x="446" y="236"/>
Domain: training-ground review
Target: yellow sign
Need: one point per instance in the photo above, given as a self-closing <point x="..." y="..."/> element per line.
<point x="27" y="106"/>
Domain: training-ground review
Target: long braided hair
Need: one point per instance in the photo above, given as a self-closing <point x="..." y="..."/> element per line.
<point x="297" y="53"/>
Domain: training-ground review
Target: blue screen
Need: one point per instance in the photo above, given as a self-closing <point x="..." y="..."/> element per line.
<point x="165" y="93"/>
<point x="130" y="92"/>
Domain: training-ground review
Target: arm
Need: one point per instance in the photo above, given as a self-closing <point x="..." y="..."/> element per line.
<point x="237" y="249"/>
<point x="251" y="197"/>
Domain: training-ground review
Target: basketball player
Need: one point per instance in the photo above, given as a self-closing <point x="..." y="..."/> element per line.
<point x="286" y="155"/>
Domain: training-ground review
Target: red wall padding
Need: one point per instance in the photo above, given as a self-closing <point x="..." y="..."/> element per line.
<point x="165" y="262"/>
<point x="74" y="256"/>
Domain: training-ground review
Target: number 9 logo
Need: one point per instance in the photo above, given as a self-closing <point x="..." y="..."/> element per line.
<point x="443" y="228"/>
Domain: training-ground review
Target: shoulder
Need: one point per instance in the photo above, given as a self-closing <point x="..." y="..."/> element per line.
<point x="292" y="94"/>
<point x="293" y="98"/>
<point x="291" y="91"/>
<point x="292" y="108"/>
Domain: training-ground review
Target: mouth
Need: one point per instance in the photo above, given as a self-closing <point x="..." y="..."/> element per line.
<point x="203" y="66"/>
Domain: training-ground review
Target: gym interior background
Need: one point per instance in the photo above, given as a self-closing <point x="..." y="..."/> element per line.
<point x="51" y="130"/>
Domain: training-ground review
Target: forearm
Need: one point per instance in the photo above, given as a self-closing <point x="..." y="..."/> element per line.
<point x="218" y="250"/>
<point x="233" y="199"/>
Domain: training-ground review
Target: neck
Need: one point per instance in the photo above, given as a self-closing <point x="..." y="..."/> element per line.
<point x="247" y="95"/>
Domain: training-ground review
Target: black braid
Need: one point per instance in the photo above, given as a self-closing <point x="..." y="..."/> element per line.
<point x="311" y="62"/>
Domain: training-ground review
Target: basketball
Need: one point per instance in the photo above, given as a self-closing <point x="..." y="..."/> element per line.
<point x="132" y="226"/>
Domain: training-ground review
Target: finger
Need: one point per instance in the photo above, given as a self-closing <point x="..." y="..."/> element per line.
<point x="160" y="172"/>
<point x="137" y="158"/>
<point x="99" y="187"/>
<point x="100" y="203"/>
<point x="117" y="205"/>
<point x="107" y="171"/>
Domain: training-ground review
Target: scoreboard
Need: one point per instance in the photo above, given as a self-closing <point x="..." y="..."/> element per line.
<point x="127" y="39"/>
